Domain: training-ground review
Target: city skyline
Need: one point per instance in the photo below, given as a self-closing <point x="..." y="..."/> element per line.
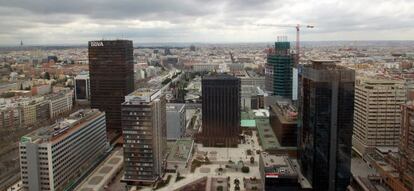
<point x="217" y="95"/>
<point x="44" y="22"/>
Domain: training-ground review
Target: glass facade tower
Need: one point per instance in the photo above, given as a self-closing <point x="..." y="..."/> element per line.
<point x="325" y="124"/>
<point x="111" y="71"/>
<point x="220" y="111"/>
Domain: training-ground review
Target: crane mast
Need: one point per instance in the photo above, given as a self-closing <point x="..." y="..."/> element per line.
<point x="297" y="27"/>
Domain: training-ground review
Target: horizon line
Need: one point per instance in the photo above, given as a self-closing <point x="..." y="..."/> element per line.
<point x="194" y="43"/>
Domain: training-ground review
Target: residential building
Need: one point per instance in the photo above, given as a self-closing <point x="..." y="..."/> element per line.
<point x="205" y="67"/>
<point x="54" y="157"/>
<point x="220" y="111"/>
<point x="11" y="117"/>
<point x="111" y="71"/>
<point x="326" y="108"/>
<point x="144" y="134"/>
<point x="42" y="110"/>
<point x="41" y="89"/>
<point x="377" y="115"/>
<point x="236" y="67"/>
<point x="60" y="103"/>
<point x="175" y="121"/>
<point x="29" y="113"/>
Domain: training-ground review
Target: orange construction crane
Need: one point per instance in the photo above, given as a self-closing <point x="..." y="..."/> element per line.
<point x="298" y="26"/>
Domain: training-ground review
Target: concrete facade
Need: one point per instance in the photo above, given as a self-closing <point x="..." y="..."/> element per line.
<point x="61" y="103"/>
<point x="54" y="157"/>
<point x="144" y="132"/>
<point x="377" y="115"/>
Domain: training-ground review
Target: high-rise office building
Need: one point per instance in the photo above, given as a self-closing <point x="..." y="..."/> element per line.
<point x="82" y="87"/>
<point x="325" y="124"/>
<point x="377" y="116"/>
<point x="111" y="71"/>
<point x="54" y="157"/>
<point x="144" y="133"/>
<point x="220" y="110"/>
<point x="279" y="71"/>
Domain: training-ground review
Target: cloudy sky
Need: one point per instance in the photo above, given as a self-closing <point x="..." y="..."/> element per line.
<point x="153" y="21"/>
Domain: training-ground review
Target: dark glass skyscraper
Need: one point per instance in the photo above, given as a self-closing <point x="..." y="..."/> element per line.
<point x="111" y="71"/>
<point x="220" y="110"/>
<point x="325" y="124"/>
<point x="279" y="70"/>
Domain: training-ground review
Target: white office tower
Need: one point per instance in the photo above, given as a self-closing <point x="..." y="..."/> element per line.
<point x="54" y="157"/>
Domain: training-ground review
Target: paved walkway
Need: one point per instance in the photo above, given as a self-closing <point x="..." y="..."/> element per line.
<point x="104" y="173"/>
<point x="219" y="158"/>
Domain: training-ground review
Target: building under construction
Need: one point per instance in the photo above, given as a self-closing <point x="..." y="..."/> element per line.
<point x="278" y="71"/>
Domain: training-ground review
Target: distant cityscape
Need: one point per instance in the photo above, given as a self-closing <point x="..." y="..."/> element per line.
<point x="120" y="115"/>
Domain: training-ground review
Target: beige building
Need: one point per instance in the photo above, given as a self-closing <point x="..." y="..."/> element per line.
<point x="377" y="113"/>
<point x="61" y="103"/>
<point x="35" y="110"/>
<point x="29" y="113"/>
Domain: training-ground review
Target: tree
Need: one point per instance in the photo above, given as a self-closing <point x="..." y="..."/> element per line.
<point x="237" y="187"/>
<point x="245" y="169"/>
<point x="252" y="160"/>
<point x="47" y="75"/>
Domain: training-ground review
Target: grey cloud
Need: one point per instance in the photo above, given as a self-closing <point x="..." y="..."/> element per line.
<point x="25" y="19"/>
<point x="119" y="9"/>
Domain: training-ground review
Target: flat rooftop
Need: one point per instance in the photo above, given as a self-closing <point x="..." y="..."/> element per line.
<point x="266" y="135"/>
<point x="278" y="165"/>
<point x="142" y="95"/>
<point x="248" y="123"/>
<point x="220" y="76"/>
<point x="62" y="128"/>
<point x="361" y="169"/>
<point x="285" y="111"/>
<point x="265" y="132"/>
